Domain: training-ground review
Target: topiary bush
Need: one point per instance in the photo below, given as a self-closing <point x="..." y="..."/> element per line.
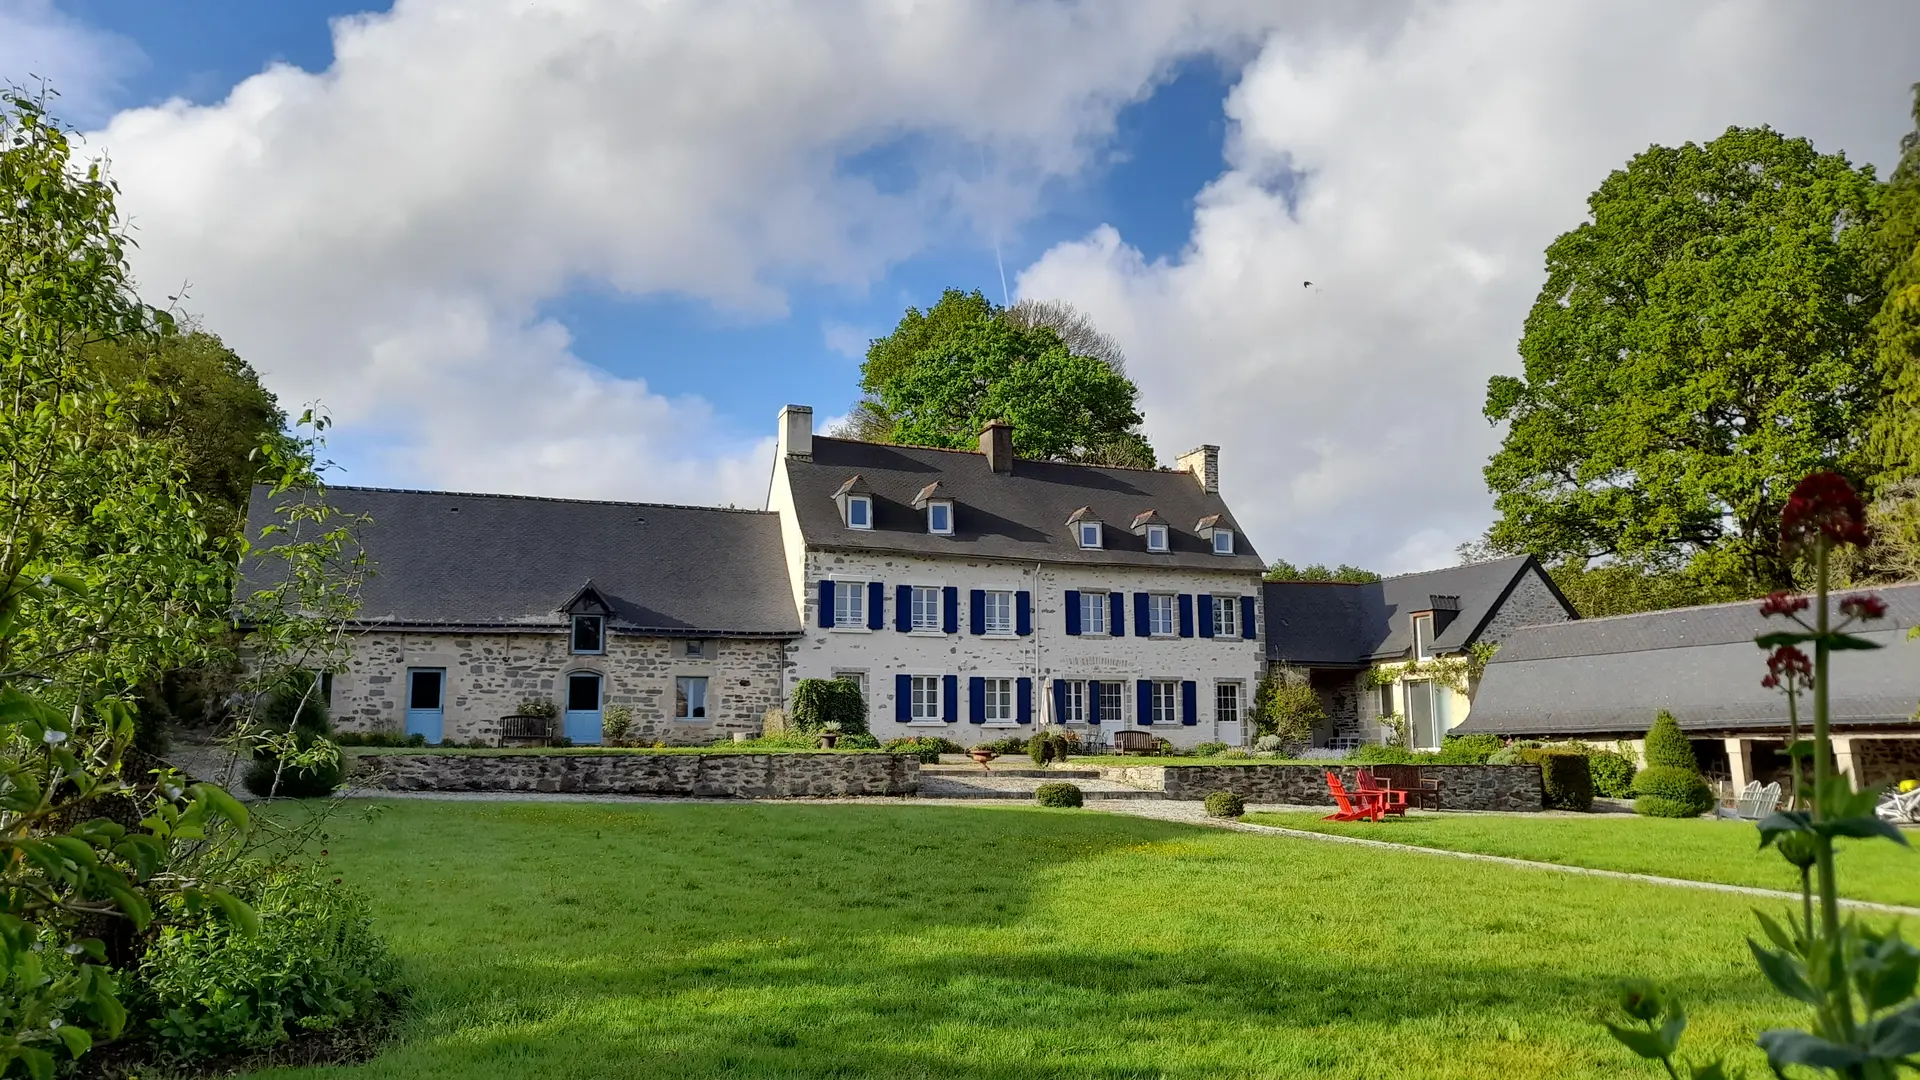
<point x="819" y="702"/>
<point x="1040" y="749"/>
<point x="293" y="782"/>
<point x="1564" y="778"/>
<point x="1666" y="791"/>
<point x="1612" y="774"/>
<point x="1225" y="804"/>
<point x="1668" y="746"/>
<point x="1061" y="746"/>
<point x="1058" y="794"/>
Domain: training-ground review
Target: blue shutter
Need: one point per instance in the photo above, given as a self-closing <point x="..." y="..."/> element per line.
<point x="1093" y="702"/>
<point x="950" y="610"/>
<point x="1023" y="613"/>
<point x="903" y="608"/>
<point x="976" y="699"/>
<point x="1023" y="701"/>
<point x="1073" y="615"/>
<point x="1189" y="703"/>
<point x="1186" y="614"/>
<point x="826" y="604"/>
<point x="1142" y="619"/>
<point x="1117" y="614"/>
<point x="1144" y="706"/>
<point x="1059" y="701"/>
<point x="950" y="698"/>
<point x="1206" y="614"/>
<point x="903" y="698"/>
<point x="876" y="605"/>
<point x="1246" y="618"/>
<point x="977" y="611"/>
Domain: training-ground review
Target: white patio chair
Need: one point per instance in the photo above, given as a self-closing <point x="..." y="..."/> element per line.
<point x="1769" y="798"/>
<point x="1900" y="809"/>
<point x="1743" y="806"/>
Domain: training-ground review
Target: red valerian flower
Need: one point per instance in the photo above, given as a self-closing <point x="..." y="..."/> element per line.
<point x="1782" y="603"/>
<point x="1786" y="665"/>
<point x="1864" y="606"/>
<point x="1823" y="504"/>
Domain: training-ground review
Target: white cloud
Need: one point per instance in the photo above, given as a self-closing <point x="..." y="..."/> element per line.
<point x="84" y="65"/>
<point x="380" y="235"/>
<point x="1431" y="164"/>
<point x="846" y="339"/>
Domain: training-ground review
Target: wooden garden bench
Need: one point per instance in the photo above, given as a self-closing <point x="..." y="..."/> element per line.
<point x="533" y="729"/>
<point x="1127" y="742"/>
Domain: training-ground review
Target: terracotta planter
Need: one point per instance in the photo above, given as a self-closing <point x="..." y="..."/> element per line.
<point x="982" y="756"/>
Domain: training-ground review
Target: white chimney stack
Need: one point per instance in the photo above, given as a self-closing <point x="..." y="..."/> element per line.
<point x="1204" y="463"/>
<point x="796" y="431"/>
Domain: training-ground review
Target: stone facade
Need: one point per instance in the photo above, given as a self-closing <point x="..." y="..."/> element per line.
<point x="1463" y="787"/>
<point x="1048" y="653"/>
<point x="1880" y="762"/>
<point x="725" y="776"/>
<point x="488" y="675"/>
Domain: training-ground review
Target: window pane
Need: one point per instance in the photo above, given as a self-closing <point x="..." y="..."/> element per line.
<point x="1226" y="616"/>
<point x="1223" y="542"/>
<point x="1076" y="704"/>
<point x="925" y="703"/>
<point x="937" y="517"/>
<point x="690" y="698"/>
<point x="583" y="693"/>
<point x="926" y="608"/>
<point x="1157" y="537"/>
<point x="1112" y="701"/>
<point x="586" y="633"/>
<point x="1163" y="706"/>
<point x="999" y="613"/>
<point x="423" y="690"/>
<point x="1226" y="701"/>
<point x="1090" y="536"/>
<point x="850" y="603"/>
<point x="858" y="511"/>
<point x="1160" y="609"/>
<point x="1093" y="613"/>
<point x="1423" y="636"/>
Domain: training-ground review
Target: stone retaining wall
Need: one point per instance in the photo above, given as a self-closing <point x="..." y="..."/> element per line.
<point x="1464" y="787"/>
<point x="727" y="776"/>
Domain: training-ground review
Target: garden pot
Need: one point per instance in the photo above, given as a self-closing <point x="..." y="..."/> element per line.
<point x="828" y="739"/>
<point x="982" y="756"/>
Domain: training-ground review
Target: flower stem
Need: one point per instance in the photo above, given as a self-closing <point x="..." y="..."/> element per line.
<point x="1840" y="998"/>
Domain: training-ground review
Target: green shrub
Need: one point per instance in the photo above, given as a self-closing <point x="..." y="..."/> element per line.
<point x="1225" y="804"/>
<point x="1388" y="754"/>
<point x="1269" y="744"/>
<point x="1612" y="774"/>
<point x="1209" y="749"/>
<point x="1058" y="794"/>
<point x="1666" y="791"/>
<point x="927" y="748"/>
<point x="1040" y="749"/>
<point x="1468" y="749"/>
<point x="378" y="738"/>
<point x="1564" y="777"/>
<point x="857" y="742"/>
<point x="296" y="705"/>
<point x="819" y="702"/>
<point x="205" y="990"/>
<point x="1061" y="746"/>
<point x="294" y="782"/>
<point x="1667" y="745"/>
<point x="1012" y="744"/>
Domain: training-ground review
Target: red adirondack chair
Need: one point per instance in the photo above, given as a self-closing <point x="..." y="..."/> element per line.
<point x="1392" y="800"/>
<point x="1368" y="807"/>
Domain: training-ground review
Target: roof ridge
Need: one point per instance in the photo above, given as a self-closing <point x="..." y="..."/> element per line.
<point x="1445" y="569"/>
<point x="545" y="498"/>
<point x="976" y="453"/>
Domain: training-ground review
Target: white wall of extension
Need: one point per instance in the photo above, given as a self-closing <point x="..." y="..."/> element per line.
<point x="879" y="656"/>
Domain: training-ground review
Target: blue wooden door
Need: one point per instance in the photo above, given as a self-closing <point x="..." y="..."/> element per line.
<point x="582" y="723"/>
<point x="426" y="702"/>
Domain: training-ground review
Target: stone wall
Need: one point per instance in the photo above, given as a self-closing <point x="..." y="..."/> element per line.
<point x="489" y="674"/>
<point x="1463" y="787"/>
<point x="727" y="776"/>
<point x="1884" y="762"/>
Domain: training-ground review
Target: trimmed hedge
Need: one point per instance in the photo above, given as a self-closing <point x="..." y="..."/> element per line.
<point x="1612" y="774"/>
<point x="1225" y="804"/>
<point x="1564" y="777"/>
<point x="1058" y="794"/>
<point x="1666" y="791"/>
<point x="927" y="748"/>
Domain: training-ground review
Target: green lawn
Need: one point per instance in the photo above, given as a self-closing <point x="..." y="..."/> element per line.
<point x="555" y="940"/>
<point x="1701" y="849"/>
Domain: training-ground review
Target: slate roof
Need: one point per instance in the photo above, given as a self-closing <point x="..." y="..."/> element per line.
<point x="508" y="561"/>
<point x="1332" y="624"/>
<point x="1020" y="515"/>
<point x="1609" y="676"/>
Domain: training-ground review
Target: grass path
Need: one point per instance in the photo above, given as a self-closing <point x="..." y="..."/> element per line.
<point x="554" y="940"/>
<point x="1724" y="852"/>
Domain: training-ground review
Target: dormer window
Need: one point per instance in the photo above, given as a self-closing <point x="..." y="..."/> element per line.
<point x="1212" y="531"/>
<point x="1090" y="534"/>
<point x="940" y="518"/>
<point x="1223" y="541"/>
<point x="1156" y="538"/>
<point x="1423" y="636"/>
<point x="859" y="512"/>
<point x="1087" y="528"/>
<point x="589" y="634"/>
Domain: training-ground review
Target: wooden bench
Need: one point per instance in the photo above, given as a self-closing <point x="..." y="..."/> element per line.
<point x="1423" y="792"/>
<point x="526" y="729"/>
<point x="1127" y="742"/>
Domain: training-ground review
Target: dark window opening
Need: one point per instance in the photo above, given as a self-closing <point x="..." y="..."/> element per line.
<point x="589" y="634"/>
<point x="583" y="693"/>
<point x="423" y="689"/>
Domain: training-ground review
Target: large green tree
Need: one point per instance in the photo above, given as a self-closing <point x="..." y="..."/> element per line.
<point x="944" y="372"/>
<point x="1701" y="343"/>
<point x="1897" y="326"/>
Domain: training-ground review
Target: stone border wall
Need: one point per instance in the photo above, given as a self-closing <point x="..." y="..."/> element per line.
<point x="724" y="776"/>
<point x="1463" y="787"/>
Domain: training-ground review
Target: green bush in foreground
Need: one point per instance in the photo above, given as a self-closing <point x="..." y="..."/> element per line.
<point x="1664" y="791"/>
<point x="1612" y="774"/>
<point x="1225" y="804"/>
<point x="293" y="781"/>
<point x="1058" y="794"/>
<point x="1668" y="746"/>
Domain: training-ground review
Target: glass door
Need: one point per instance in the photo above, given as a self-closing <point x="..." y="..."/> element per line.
<point x="1424" y="714"/>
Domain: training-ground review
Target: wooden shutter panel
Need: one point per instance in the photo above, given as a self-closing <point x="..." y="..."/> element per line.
<point x="950" y="698"/>
<point x="950" y="610"/>
<point x="976" y="699"/>
<point x="826" y="604"/>
<point x="1185" y="605"/>
<point x="1144" y="705"/>
<point x="1189" y="702"/>
<point x="1142" y="619"/>
<point x="1073" y="615"/>
<point x="1246" y="618"/>
<point x="1117" y="614"/>
<point x="1093" y="702"/>
<point x="876" y="605"/>
<point x="903" y="608"/>
<point x="1023" y="700"/>
<point x="903" y="698"/>
<point x="1206" y="614"/>
<point x="1023" y="613"/>
<point x="1059" y="701"/>
<point x="977" y="611"/>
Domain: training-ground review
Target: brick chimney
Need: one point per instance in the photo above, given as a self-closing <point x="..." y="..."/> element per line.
<point x="796" y="431"/>
<point x="996" y="441"/>
<point x="1204" y="463"/>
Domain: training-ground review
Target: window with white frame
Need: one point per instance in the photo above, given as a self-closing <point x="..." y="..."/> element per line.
<point x="999" y="611"/>
<point x="1386" y="699"/>
<point x="1093" y="613"/>
<point x="1073" y="703"/>
<point x="940" y="518"/>
<point x="690" y="697"/>
<point x="1160" y="614"/>
<point x="1226" y="616"/>
<point x="1166" y="702"/>
<point x="859" y="512"/>
<point x="999" y="700"/>
<point x="1113" y="700"/>
<point x="1089" y="534"/>
<point x="1156" y="538"/>
<point x="850" y="605"/>
<point x="1226" y="702"/>
<point x="923" y="702"/>
<point x="925" y="608"/>
<point x="1423" y="637"/>
<point x="1223" y="541"/>
<point x="589" y="634"/>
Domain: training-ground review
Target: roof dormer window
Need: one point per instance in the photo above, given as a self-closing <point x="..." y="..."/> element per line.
<point x="1087" y="530"/>
<point x="1211" y="530"/>
<point x="1090" y="534"/>
<point x="1223" y="541"/>
<point x="1423" y="636"/>
<point x="589" y="634"/>
<point x="940" y="518"/>
<point x="859" y="511"/>
<point x="1156" y="538"/>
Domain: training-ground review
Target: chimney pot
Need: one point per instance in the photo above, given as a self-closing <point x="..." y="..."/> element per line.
<point x="996" y="442"/>
<point x="796" y="431"/>
<point x="1204" y="463"/>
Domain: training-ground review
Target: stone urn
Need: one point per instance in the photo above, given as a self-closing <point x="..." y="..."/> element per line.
<point x="982" y="755"/>
<point x="828" y="738"/>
